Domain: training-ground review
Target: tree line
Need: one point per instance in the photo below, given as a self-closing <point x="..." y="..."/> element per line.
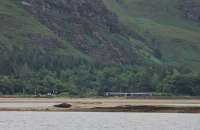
<point x="32" y="71"/>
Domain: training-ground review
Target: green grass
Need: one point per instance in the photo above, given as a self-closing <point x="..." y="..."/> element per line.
<point x="17" y="24"/>
<point x="162" y="20"/>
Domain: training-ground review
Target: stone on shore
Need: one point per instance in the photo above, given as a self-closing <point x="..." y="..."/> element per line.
<point x="63" y="105"/>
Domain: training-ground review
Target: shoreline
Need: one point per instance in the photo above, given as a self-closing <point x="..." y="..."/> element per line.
<point x="101" y="105"/>
<point x="130" y="109"/>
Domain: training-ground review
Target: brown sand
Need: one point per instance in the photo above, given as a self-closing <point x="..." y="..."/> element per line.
<point x="101" y="105"/>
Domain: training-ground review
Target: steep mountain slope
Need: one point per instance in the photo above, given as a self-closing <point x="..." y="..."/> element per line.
<point x="89" y="26"/>
<point x="87" y="47"/>
<point x="25" y="41"/>
<point x="172" y="25"/>
<point x="66" y="45"/>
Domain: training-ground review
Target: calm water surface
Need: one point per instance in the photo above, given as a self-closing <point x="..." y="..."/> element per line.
<point x="97" y="121"/>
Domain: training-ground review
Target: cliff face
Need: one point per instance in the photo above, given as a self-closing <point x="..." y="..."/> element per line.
<point x="87" y="24"/>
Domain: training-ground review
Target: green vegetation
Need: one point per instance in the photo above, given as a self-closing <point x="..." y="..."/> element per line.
<point x="89" y="80"/>
<point x="157" y="50"/>
<point x="162" y="22"/>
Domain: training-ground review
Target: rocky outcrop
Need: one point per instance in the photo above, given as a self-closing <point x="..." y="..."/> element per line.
<point x="91" y="10"/>
<point x="63" y="105"/>
<point x="191" y="9"/>
<point x="87" y="24"/>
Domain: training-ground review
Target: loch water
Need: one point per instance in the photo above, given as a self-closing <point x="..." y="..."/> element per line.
<point x="97" y="121"/>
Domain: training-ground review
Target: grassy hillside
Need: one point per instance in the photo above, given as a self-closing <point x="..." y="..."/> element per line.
<point x="163" y="22"/>
<point x="86" y="47"/>
<point x="46" y="51"/>
<point x="92" y="29"/>
<point x="24" y="40"/>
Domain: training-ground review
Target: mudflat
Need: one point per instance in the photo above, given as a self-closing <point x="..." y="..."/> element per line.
<point x="101" y="105"/>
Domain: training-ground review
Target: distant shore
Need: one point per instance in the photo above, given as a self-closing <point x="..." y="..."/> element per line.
<point x="101" y="105"/>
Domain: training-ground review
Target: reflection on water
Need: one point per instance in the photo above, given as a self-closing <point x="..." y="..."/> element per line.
<point x="97" y="121"/>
